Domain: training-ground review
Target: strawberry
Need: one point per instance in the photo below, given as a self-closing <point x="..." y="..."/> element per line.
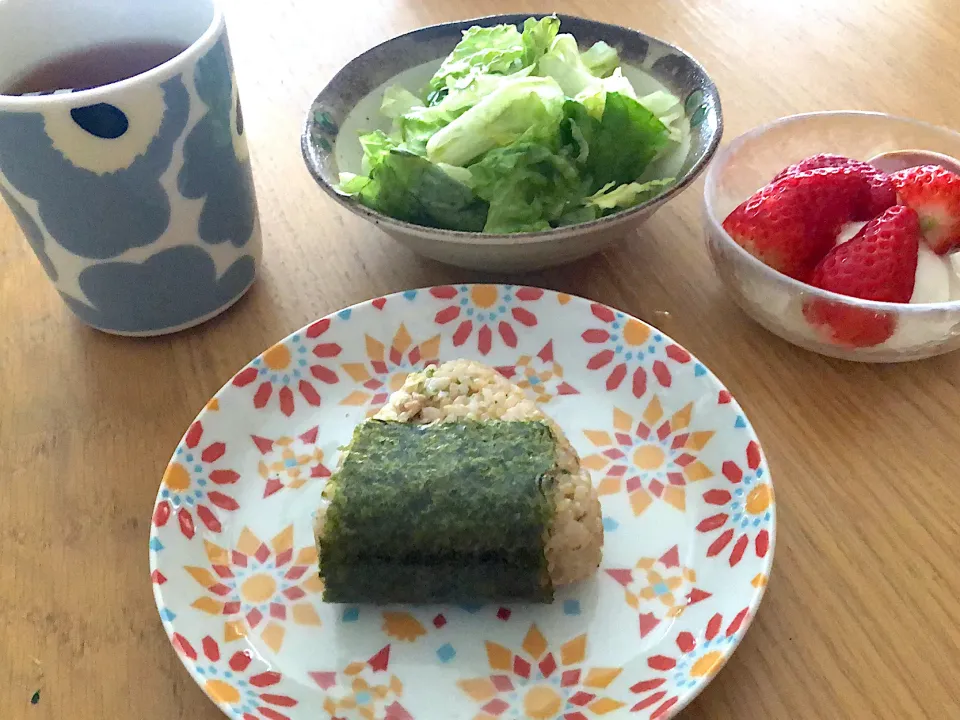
<point x="879" y="263"/>
<point x="793" y="222"/>
<point x="880" y="192"/>
<point x="815" y="162"/>
<point x="934" y="192"/>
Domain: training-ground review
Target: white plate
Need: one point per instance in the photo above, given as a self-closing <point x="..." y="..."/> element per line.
<point x="687" y="504"/>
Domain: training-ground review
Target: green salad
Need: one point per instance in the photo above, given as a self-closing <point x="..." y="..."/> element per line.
<point x="517" y="132"/>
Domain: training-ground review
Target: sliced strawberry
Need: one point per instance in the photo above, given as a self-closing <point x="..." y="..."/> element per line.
<point x="879" y="263"/>
<point x="792" y="223"/>
<point x="934" y="192"/>
<point x="880" y="192"/>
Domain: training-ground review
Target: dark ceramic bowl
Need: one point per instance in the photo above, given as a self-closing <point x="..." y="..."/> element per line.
<point x="350" y="104"/>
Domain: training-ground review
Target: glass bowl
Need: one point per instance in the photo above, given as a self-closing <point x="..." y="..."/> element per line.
<point x="776" y="301"/>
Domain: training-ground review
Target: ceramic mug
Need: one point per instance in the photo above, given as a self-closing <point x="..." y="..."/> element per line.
<point x="137" y="196"/>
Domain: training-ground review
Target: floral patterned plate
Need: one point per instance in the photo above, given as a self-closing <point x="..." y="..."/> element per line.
<point x="686" y="495"/>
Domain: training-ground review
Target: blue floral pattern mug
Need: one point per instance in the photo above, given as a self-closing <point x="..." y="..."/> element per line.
<point x="137" y="197"/>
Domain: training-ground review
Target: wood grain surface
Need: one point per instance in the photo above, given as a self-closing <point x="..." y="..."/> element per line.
<point x="862" y="618"/>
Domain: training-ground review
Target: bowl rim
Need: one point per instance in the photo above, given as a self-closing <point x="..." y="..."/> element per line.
<point x="716" y="225"/>
<point x="710" y="90"/>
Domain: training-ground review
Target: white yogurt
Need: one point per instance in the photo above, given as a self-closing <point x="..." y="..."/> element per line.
<point x="848" y="231"/>
<point x="935" y="278"/>
<point x="955" y="276"/>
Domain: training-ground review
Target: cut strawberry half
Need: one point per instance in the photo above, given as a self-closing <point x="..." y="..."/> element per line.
<point x="934" y="192"/>
<point x="879" y="263"/>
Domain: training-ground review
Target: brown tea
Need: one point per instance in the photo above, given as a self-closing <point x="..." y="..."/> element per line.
<point x="95" y="66"/>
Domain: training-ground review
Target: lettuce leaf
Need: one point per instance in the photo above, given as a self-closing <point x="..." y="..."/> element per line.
<point x="611" y="197"/>
<point x="408" y="187"/>
<point x="481" y="51"/>
<point x="460" y="174"/>
<point x="398" y="101"/>
<point x="628" y="139"/>
<point x="578" y="129"/>
<point x="418" y="124"/>
<point x="618" y="147"/>
<point x="351" y="183"/>
<point x="577" y="215"/>
<point x="501" y="50"/>
<point x="415" y="128"/>
<point x="529" y="185"/>
<point x="668" y="109"/>
<point x="537" y="37"/>
<point x="594" y="97"/>
<point x="600" y="59"/>
<point x="585" y="83"/>
<point x="376" y="145"/>
<point x="526" y="105"/>
<point x="564" y="64"/>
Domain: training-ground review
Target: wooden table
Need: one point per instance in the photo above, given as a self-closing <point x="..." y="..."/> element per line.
<point x="861" y="619"/>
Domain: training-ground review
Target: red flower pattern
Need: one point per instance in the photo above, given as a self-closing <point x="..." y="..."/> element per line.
<point x="634" y="342"/>
<point x="290" y="368"/>
<point x="695" y="661"/>
<point x="486" y="308"/>
<point x="195" y="481"/>
<point x="233" y="683"/>
<point x="745" y="509"/>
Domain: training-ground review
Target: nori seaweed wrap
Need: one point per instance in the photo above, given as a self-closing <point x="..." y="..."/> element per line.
<point x="444" y="512"/>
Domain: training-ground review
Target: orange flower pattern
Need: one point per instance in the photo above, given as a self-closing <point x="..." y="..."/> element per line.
<point x="387" y="368"/>
<point x="259" y="587"/>
<point x="653" y="458"/>
<point x="539" y="684"/>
